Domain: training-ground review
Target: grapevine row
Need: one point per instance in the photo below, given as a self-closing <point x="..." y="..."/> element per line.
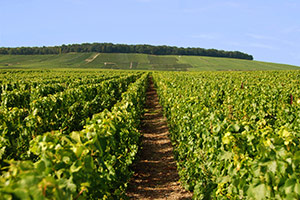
<point x="20" y="94"/>
<point x="235" y="134"/>
<point x="89" y="164"/>
<point x="65" y="111"/>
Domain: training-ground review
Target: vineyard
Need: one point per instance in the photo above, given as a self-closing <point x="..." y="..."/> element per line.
<point x="136" y="61"/>
<point x="74" y="134"/>
<point x="69" y="135"/>
<point x="235" y="134"/>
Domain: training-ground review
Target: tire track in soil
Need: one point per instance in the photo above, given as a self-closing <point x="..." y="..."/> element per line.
<point x="156" y="174"/>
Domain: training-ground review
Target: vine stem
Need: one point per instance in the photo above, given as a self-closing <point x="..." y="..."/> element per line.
<point x="80" y="193"/>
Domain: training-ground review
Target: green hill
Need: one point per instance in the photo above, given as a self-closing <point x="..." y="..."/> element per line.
<point x="135" y="61"/>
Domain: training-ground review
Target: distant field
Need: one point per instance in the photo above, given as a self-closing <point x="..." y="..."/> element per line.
<point x="136" y="61"/>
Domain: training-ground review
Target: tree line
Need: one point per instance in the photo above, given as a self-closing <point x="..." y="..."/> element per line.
<point x="124" y="48"/>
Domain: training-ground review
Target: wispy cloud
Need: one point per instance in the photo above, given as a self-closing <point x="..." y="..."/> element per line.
<point x="194" y="10"/>
<point x="273" y="39"/>
<point x="76" y="2"/>
<point x="212" y="6"/>
<point x="233" y="43"/>
<point x="260" y="37"/>
<point x="250" y="44"/>
<point x="144" y="1"/>
<point x="292" y="29"/>
<point x="233" y="4"/>
<point x="263" y="46"/>
<point x="295" y="55"/>
<point x="205" y="36"/>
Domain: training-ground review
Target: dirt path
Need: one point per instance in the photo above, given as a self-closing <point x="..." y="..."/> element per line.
<point x="88" y="60"/>
<point x="156" y="175"/>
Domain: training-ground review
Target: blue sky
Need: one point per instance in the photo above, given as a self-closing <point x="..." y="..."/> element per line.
<point x="267" y="29"/>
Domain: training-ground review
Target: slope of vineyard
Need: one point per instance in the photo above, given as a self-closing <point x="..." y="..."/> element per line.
<point x="73" y="134"/>
<point x="136" y="61"/>
<point x="235" y="134"/>
<point x="75" y="142"/>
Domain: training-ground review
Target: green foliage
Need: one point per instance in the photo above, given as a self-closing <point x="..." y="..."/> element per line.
<point x="201" y="63"/>
<point x="235" y="134"/>
<point x="93" y="163"/>
<point x="135" y="61"/>
<point x="65" y="111"/>
<point x="123" y="48"/>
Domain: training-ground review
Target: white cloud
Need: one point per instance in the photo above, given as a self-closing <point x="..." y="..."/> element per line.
<point x="212" y="6"/>
<point x="205" y="36"/>
<point x="272" y="38"/>
<point x="233" y="4"/>
<point x="76" y="2"/>
<point x="260" y="37"/>
<point x="295" y="55"/>
<point x="250" y="44"/>
<point x="263" y="46"/>
<point x="144" y="1"/>
<point x="233" y="43"/>
<point x="292" y="29"/>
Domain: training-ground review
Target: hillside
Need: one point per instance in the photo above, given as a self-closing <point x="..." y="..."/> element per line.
<point x="135" y="61"/>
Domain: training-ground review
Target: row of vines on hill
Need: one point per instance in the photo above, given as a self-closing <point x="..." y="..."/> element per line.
<point x="73" y="134"/>
<point x="235" y="134"/>
<point x="76" y="142"/>
<point x="65" y="111"/>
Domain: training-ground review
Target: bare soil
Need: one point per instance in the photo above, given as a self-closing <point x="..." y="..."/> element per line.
<point x="156" y="174"/>
<point x="88" y="60"/>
